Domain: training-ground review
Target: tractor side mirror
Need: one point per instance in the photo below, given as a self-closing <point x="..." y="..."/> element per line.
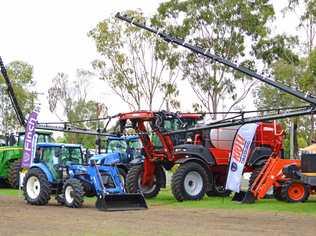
<point x="58" y="156"/>
<point x="87" y="155"/>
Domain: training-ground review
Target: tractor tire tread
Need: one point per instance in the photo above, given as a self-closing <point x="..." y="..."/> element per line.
<point x="132" y="182"/>
<point x="78" y="194"/>
<point x="45" y="191"/>
<point x="14" y="172"/>
<point x="284" y="192"/>
<point x="253" y="177"/>
<point x="178" y="179"/>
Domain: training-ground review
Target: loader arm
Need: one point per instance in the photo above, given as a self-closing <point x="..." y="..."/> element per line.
<point x="270" y="174"/>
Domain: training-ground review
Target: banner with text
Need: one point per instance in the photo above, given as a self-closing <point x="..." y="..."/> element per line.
<point x="239" y="155"/>
<point x="29" y="140"/>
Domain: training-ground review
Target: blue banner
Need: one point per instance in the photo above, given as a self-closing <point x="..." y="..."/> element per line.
<point x="29" y="140"/>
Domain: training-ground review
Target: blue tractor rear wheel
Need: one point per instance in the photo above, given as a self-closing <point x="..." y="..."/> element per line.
<point x="36" y="188"/>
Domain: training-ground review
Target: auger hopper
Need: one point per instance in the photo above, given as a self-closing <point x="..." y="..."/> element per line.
<point x="121" y="202"/>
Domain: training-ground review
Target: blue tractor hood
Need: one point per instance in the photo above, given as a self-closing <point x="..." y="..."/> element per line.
<point x="106" y="159"/>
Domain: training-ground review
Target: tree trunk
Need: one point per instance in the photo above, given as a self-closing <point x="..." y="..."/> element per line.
<point x="293" y="140"/>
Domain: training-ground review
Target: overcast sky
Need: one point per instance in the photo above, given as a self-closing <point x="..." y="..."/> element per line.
<point x="52" y="36"/>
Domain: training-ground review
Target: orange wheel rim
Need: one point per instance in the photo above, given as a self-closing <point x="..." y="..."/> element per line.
<point x="296" y="191"/>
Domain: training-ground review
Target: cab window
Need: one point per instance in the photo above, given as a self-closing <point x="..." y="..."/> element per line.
<point x="72" y="154"/>
<point x="116" y="146"/>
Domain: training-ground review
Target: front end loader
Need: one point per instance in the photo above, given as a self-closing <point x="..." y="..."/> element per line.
<point x="291" y="180"/>
<point x="59" y="169"/>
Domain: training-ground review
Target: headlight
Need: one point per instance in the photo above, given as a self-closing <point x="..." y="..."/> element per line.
<point x="71" y="173"/>
<point x="180" y="150"/>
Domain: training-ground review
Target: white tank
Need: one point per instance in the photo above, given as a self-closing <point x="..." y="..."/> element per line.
<point x="223" y="138"/>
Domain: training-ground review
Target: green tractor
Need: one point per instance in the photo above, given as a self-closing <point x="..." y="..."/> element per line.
<point x="11" y="154"/>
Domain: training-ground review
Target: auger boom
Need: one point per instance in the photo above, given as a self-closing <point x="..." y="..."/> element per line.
<point x="242" y="120"/>
<point x="206" y="52"/>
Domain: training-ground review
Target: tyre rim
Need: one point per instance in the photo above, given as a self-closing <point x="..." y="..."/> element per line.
<point x="122" y="179"/>
<point x="296" y="191"/>
<point x="146" y="189"/>
<point x="68" y="193"/>
<point x="33" y="187"/>
<point x="193" y="183"/>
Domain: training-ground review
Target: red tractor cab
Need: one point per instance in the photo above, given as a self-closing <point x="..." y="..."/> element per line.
<point x="202" y="156"/>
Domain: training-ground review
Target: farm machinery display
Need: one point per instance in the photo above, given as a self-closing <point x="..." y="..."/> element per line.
<point x="202" y="163"/>
<point x="60" y="169"/>
<point x="273" y="164"/>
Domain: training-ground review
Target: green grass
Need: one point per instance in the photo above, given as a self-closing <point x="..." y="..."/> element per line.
<point x="166" y="199"/>
<point x="9" y="192"/>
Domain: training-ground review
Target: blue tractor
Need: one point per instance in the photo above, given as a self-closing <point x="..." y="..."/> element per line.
<point x="128" y="149"/>
<point x="60" y="170"/>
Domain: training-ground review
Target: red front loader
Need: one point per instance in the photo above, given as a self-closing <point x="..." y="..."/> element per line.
<point x="202" y="156"/>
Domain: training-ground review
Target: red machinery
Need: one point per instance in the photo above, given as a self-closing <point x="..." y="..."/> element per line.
<point x="272" y="175"/>
<point x="203" y="163"/>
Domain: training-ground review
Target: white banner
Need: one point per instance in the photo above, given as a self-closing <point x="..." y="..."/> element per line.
<point x="239" y="155"/>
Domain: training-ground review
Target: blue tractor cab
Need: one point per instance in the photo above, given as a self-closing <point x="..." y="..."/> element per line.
<point x="129" y="146"/>
<point x="60" y="169"/>
<point x="128" y="149"/>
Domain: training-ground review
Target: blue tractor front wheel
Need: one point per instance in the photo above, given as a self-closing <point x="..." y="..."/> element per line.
<point x="73" y="193"/>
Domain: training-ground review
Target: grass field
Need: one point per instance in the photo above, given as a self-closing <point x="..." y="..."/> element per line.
<point x="165" y="198"/>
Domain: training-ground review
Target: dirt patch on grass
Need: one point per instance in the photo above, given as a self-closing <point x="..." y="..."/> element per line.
<point x="18" y="218"/>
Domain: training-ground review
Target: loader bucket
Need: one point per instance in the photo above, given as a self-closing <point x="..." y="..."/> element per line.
<point x="121" y="202"/>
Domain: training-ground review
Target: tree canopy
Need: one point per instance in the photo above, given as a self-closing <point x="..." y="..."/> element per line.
<point x="21" y="76"/>
<point x="68" y="100"/>
<point x="141" y="70"/>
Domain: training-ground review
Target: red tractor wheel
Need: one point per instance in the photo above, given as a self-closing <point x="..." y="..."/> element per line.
<point x="294" y="191"/>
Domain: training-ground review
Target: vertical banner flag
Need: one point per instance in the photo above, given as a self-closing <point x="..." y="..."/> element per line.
<point x="239" y="155"/>
<point x="29" y="140"/>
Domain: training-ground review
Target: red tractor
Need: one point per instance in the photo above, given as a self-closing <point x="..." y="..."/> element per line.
<point x="202" y="156"/>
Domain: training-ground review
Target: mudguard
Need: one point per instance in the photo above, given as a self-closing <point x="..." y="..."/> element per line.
<point x="106" y="159"/>
<point x="137" y="161"/>
<point x="194" y="151"/>
<point x="259" y="155"/>
<point x="45" y="170"/>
